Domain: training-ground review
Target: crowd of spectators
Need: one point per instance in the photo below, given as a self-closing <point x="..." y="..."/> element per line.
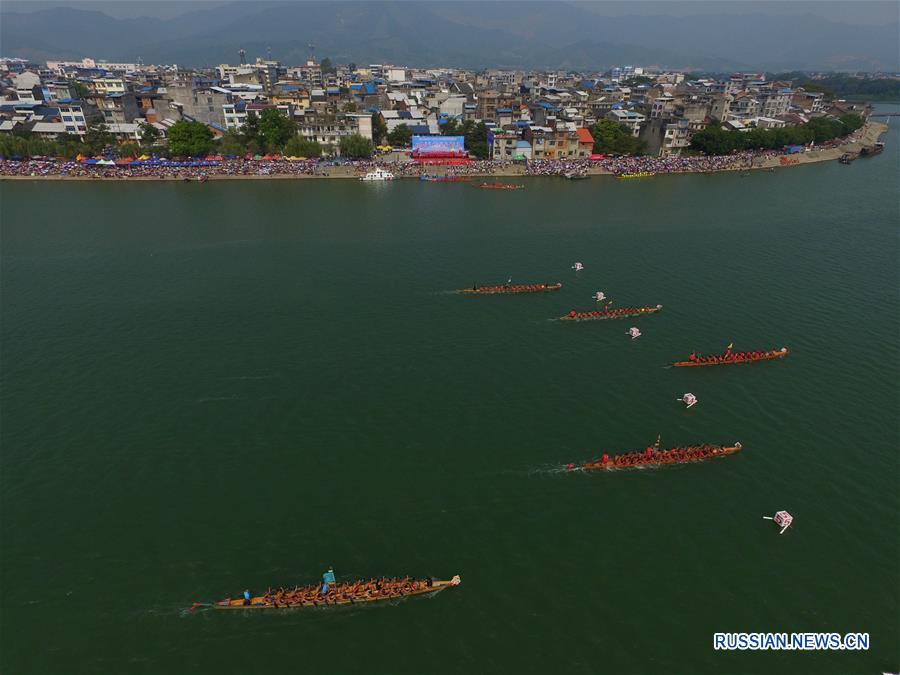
<point x="280" y="167"/>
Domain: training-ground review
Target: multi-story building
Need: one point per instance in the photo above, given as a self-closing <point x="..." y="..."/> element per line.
<point x="117" y="108"/>
<point x="73" y="117"/>
<point x="200" y="103"/>
<point x="487" y="102"/>
<point x="108" y="85"/>
<point x="776" y="102"/>
<point x="328" y="130"/>
<point x="628" y="118"/>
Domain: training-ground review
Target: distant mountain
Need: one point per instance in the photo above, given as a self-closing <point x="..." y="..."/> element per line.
<point x="464" y="34"/>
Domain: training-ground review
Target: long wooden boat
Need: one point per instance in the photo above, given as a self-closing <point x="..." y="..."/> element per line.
<point x="501" y="186"/>
<point x="444" y="179"/>
<point x="511" y="289"/>
<point x="340" y="594"/>
<point x="731" y="357"/>
<point x="620" y="313"/>
<point x="655" y="457"/>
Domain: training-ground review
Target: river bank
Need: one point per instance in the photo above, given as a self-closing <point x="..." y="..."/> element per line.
<point x="284" y="170"/>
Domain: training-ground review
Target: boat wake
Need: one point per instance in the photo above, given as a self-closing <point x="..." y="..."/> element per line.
<point x="549" y="470"/>
<point x="210" y="399"/>
<point x="251" y="377"/>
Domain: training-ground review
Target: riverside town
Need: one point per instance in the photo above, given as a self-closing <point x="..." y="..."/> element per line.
<point x="262" y="118"/>
<point x="404" y="337"/>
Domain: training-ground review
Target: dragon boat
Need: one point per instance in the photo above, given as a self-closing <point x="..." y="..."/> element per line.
<point x="606" y="313"/>
<point x="653" y="456"/>
<point x="638" y="174"/>
<point x="730" y="357"/>
<point x="511" y="289"/>
<point x="349" y="593"/>
<point x="501" y="186"/>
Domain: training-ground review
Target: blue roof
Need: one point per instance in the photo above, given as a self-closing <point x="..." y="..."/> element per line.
<point x="419" y="128"/>
<point x="21" y="104"/>
<point x="523" y="144"/>
<point x="504" y="110"/>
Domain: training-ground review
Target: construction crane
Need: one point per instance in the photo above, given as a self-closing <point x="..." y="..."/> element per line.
<point x="243" y="57"/>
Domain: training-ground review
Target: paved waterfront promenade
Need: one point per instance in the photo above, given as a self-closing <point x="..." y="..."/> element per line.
<point x="283" y="169"/>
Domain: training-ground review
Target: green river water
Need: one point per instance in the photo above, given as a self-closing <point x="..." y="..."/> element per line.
<point x="237" y="384"/>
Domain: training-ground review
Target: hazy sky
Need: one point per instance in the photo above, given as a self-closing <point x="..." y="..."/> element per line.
<point x="848" y="11"/>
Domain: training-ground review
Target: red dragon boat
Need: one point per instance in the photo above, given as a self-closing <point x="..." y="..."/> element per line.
<point x="606" y="313"/>
<point x="501" y="186"/>
<point x="346" y="593"/>
<point x="511" y="289"/>
<point x="653" y="456"/>
<point x="730" y="357"/>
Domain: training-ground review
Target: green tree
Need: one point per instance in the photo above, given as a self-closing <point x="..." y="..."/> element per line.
<point x="349" y="107"/>
<point x="190" y="139"/>
<point x="231" y="143"/>
<point x="401" y="136"/>
<point x="150" y="135"/>
<point x="614" y="138"/>
<point x="852" y="122"/>
<point x="714" y="140"/>
<point x="68" y="146"/>
<point x="130" y="149"/>
<point x="476" y="138"/>
<point x="327" y="66"/>
<point x="302" y="147"/>
<point x="250" y="130"/>
<point x="82" y="91"/>
<point x="98" y="137"/>
<point x="379" y="128"/>
<point x="451" y="128"/>
<point x="356" y="147"/>
<point x="275" y="130"/>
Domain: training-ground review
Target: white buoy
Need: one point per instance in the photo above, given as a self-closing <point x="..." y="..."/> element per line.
<point x="634" y="333"/>
<point x="783" y="519"/>
<point x="689" y="400"/>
